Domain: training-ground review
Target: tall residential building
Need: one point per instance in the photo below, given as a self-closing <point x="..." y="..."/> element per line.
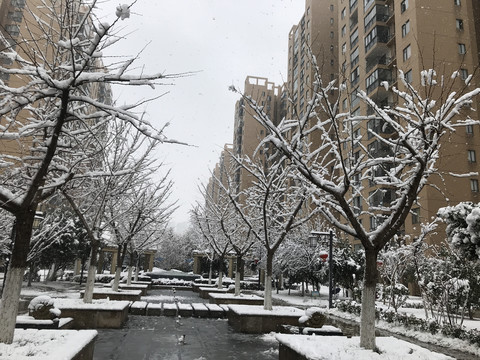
<point x="248" y="133"/>
<point x="315" y="34"/>
<point x="377" y="38"/>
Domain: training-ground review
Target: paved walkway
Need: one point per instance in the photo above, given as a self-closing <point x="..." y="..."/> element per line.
<point x="148" y="338"/>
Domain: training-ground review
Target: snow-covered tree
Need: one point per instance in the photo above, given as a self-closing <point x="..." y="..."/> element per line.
<point x="176" y="250"/>
<point x="463" y="228"/>
<point x="212" y="235"/>
<point x="227" y="219"/>
<point x="54" y="109"/>
<point x="273" y="206"/>
<point x="398" y="163"/>
<point x="136" y="218"/>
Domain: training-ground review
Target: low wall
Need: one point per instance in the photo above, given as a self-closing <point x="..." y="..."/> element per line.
<point x="245" y="321"/>
<point x="125" y="295"/>
<point x="96" y="317"/>
<point x="242" y="300"/>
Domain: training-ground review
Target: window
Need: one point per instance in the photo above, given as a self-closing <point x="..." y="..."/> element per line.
<point x="462" y="49"/>
<point x="357" y="204"/>
<point x="332" y="34"/>
<point x="355" y="76"/>
<point x="472" y="157"/>
<point x="469" y="129"/>
<point x="373" y="223"/>
<point x="459" y="24"/>
<point x="474" y="185"/>
<point x="12" y="30"/>
<point x="331" y="21"/>
<point x="344" y="104"/>
<point x="406" y="28"/>
<point x="332" y="62"/>
<point x="404" y="5"/>
<point x="331" y="7"/>
<point x="344" y="13"/>
<point x="408" y="77"/>
<point x="464" y="74"/>
<point x="354" y="38"/>
<point x="415" y="215"/>
<point x="354" y="57"/>
<point x="344" y="67"/>
<point x="15" y="16"/>
<point x="18" y="3"/>
<point x="456" y="2"/>
<point x="344" y="30"/>
<point x="331" y="48"/>
<point x="407" y="52"/>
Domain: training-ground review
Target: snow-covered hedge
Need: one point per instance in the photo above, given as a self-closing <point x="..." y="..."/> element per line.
<point x="413" y="322"/>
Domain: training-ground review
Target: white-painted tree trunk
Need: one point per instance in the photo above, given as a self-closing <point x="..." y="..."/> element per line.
<point x="116" y="280"/>
<point x="237" y="282"/>
<point x="210" y="274"/>
<point x="9" y="304"/>
<point x="220" y="279"/>
<point x="367" y="318"/>
<point x="137" y="270"/>
<point x="90" y="284"/>
<point x="267" y="297"/>
<point x="129" y="278"/>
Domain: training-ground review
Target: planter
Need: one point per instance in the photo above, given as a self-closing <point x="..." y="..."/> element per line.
<point x="127" y="295"/>
<point x="98" y="315"/>
<point x="251" y="319"/>
<point x="50" y="344"/>
<point x="218" y="298"/>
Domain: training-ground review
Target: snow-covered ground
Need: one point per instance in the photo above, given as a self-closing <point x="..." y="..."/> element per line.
<point x="350" y="346"/>
<point x="296" y="299"/>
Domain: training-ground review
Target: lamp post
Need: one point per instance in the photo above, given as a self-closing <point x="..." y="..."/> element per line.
<point x="317" y="234"/>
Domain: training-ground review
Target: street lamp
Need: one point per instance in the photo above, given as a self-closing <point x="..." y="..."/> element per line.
<point x="316" y="235"/>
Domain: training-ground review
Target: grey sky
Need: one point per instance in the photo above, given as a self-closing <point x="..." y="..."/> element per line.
<point x="225" y="40"/>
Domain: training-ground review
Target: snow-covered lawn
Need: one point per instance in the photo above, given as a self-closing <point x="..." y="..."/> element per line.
<point x="296" y="299"/>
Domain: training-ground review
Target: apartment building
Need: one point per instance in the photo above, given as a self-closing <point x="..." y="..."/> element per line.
<point x="377" y="38"/>
<point x="316" y="34"/>
<point x="248" y="133"/>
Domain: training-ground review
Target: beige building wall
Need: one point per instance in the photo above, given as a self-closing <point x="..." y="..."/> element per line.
<point x="248" y="132"/>
<point x="315" y="34"/>
<point x="413" y="35"/>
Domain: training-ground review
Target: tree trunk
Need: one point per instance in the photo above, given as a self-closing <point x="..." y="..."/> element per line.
<point x="92" y="269"/>
<point x="267" y="297"/>
<point x="137" y="267"/>
<point x="220" y="273"/>
<point x="220" y="279"/>
<point x="116" y="280"/>
<point x="367" y="317"/>
<point x="210" y="273"/>
<point x="129" y="276"/>
<point x="13" y="282"/>
<point x="118" y="270"/>
<point x="238" y="275"/>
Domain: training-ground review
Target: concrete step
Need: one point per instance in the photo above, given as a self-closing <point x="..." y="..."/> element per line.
<point x="202" y="310"/>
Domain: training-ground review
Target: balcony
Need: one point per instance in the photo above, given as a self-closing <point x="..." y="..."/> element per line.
<point x="377" y="78"/>
<point x="378" y="14"/>
<point x="373" y="62"/>
<point x="378" y="35"/>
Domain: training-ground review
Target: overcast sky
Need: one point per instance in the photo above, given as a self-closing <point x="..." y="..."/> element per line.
<point x="222" y="40"/>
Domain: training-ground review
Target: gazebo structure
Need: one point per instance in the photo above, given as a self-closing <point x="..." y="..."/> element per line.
<point x="149" y="256"/>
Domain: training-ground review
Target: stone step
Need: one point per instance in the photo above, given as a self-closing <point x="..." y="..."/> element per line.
<point x="178" y="309"/>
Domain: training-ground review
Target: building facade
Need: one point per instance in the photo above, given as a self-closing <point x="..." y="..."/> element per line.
<point x="380" y="38"/>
